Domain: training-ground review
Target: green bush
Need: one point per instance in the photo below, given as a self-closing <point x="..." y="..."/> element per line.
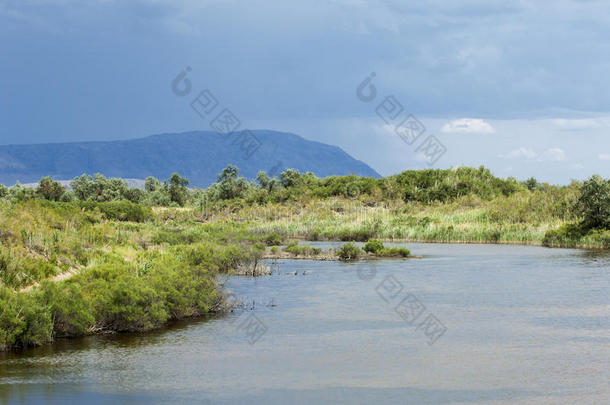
<point x="23" y="320"/>
<point x="373" y="246"/>
<point x="273" y="239"/>
<point x="71" y="312"/>
<point x="565" y="234"/>
<point x="395" y="251"/>
<point x="361" y="234"/>
<point x="122" y="210"/>
<point x="570" y="235"/>
<point x="303" y="250"/>
<point x="348" y="252"/>
<point x="594" y="203"/>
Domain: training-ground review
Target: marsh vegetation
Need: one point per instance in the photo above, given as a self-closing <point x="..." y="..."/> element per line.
<point x="102" y="257"/>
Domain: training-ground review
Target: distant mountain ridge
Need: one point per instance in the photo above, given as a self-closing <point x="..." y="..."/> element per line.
<point x="198" y="156"/>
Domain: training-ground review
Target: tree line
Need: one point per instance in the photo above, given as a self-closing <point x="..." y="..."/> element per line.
<point x="432" y="186"/>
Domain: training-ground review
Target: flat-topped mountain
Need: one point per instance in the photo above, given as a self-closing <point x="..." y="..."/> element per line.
<point x="198" y="156"/>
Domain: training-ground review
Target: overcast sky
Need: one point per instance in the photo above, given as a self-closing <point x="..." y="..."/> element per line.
<point x="519" y="86"/>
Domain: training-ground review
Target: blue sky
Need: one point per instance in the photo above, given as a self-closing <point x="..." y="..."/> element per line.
<point x="519" y="86"/>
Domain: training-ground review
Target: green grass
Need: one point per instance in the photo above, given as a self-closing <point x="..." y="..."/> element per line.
<point x="502" y="220"/>
<point x="302" y="250"/>
<point x="80" y="267"/>
<point x="69" y="270"/>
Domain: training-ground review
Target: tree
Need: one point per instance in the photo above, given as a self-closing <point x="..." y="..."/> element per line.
<point x="50" y="189"/>
<point x="594" y="203"/>
<point x="263" y="179"/>
<point x="82" y="187"/>
<point x="228" y="174"/>
<point x="134" y="194"/>
<point x="98" y="186"/>
<point x="114" y="189"/>
<point x="290" y="178"/>
<point x="151" y="184"/>
<point x="3" y="191"/>
<point x="21" y="193"/>
<point x="230" y="185"/>
<point x="267" y="183"/>
<point x="531" y="184"/>
<point x="177" y="188"/>
<point x="273" y="185"/>
<point x="68" y="196"/>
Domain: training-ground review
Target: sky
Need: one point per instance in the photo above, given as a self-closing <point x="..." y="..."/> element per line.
<point x="521" y="87"/>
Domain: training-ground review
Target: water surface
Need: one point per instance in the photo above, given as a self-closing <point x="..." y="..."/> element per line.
<point x="523" y="325"/>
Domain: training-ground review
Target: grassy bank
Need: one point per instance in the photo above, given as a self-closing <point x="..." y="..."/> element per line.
<point x="522" y="218"/>
<point x="120" y="275"/>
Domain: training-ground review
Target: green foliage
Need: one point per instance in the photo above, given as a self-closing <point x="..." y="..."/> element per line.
<point x="99" y="188"/>
<point x="23" y="320"/>
<point x="348" y="252"/>
<point x="422" y="186"/>
<point x="302" y="250"/>
<point x="376" y="247"/>
<point x="177" y="189"/>
<point x="263" y="179"/>
<point x="50" y="189"/>
<point x="136" y="267"/>
<point x="135" y="195"/>
<point x="229" y="185"/>
<point x="532" y="184"/>
<point x="373" y="246"/>
<point x="71" y="311"/>
<point x="577" y="235"/>
<point x="447" y="185"/>
<point x="594" y="203"/>
<point x="151" y="184"/>
<point x="394" y="251"/>
<point x="19" y="269"/>
<point x="291" y="178"/>
<point x="19" y="193"/>
<point x="565" y="234"/>
<point x="82" y="187"/>
<point x="273" y="239"/>
<point x="123" y="210"/>
<point x="68" y="196"/>
<point x="360" y="234"/>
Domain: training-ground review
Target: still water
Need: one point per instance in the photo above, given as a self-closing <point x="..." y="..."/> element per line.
<point x="511" y="324"/>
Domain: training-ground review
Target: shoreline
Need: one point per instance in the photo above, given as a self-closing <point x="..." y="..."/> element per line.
<point x="583" y="246"/>
<point x="332" y="258"/>
<point x="219" y="308"/>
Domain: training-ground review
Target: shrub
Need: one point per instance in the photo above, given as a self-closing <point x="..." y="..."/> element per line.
<point x="72" y="314"/>
<point x="50" y="189"/>
<point x="304" y="250"/>
<point x="122" y="210"/>
<point x="564" y="234"/>
<point x="361" y="234"/>
<point x="291" y="178"/>
<point x="273" y="239"/>
<point x="395" y="251"/>
<point x="23" y="321"/>
<point x="348" y="252"/>
<point x="373" y="246"/>
<point x="594" y="203"/>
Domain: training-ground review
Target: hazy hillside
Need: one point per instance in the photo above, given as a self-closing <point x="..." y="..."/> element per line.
<point x="199" y="156"/>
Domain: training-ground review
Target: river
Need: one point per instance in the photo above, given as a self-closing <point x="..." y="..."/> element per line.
<point x="463" y="324"/>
